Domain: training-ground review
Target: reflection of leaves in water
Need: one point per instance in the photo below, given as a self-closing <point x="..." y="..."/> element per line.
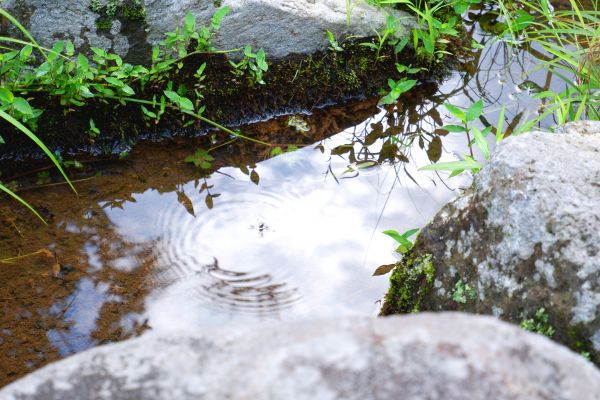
<point x="185" y="201"/>
<point x="254" y="177"/>
<point x="434" y="152"/>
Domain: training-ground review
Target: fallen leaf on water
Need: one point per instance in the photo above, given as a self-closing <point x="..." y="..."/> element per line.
<point x="383" y="269"/>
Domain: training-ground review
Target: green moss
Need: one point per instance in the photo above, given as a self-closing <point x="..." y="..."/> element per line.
<point x="109" y="10"/>
<point x="410" y="281"/>
<point x="540" y="323"/>
<point x="104" y="24"/>
<point x="134" y="12"/>
<point x="463" y="292"/>
<point x="578" y="342"/>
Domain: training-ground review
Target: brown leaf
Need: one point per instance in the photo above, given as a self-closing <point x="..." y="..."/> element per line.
<point x="383" y="269"/>
<point x="185" y="201"/>
<point x="434" y="152"/>
<point x="254" y="177"/>
<point x="209" y="201"/>
<point x="56" y="270"/>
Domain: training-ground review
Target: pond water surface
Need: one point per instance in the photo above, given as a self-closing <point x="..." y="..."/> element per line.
<point x="155" y="243"/>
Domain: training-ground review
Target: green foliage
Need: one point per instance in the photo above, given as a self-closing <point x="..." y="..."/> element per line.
<point x="109" y="10"/>
<point x="410" y="282"/>
<point x="254" y="63"/>
<point x="333" y="44"/>
<point x="76" y="80"/>
<point x="200" y="159"/>
<point x="539" y="323"/>
<point x="404" y="244"/>
<point x="463" y="292"/>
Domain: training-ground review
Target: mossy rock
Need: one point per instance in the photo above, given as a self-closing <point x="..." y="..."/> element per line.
<point x="524" y="238"/>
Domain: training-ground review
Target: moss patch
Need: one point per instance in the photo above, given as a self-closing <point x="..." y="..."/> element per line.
<point x="410" y="282"/>
<point x="109" y="10"/>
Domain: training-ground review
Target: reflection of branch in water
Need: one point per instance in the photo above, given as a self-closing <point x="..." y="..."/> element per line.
<point x="243" y="292"/>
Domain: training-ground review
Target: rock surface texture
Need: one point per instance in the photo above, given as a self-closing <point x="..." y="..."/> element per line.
<point x="524" y="237"/>
<point x="280" y="27"/>
<point x="449" y="356"/>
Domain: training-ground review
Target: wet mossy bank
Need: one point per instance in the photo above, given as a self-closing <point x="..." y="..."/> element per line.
<point x="295" y="84"/>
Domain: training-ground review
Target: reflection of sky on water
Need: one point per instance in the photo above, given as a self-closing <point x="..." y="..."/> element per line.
<point x="81" y="311"/>
<point x="303" y="244"/>
<point x="317" y="240"/>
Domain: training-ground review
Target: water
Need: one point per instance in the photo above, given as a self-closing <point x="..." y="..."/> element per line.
<point x="151" y="243"/>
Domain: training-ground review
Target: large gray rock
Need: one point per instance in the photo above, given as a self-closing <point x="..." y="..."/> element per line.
<point x="448" y="356"/>
<point x="280" y="27"/>
<point x="525" y="237"/>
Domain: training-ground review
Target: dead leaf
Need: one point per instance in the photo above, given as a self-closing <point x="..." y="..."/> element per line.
<point x="56" y="270"/>
<point x="383" y="269"/>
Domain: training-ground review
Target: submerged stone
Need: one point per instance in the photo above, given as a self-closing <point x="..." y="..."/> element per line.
<point x="524" y="238"/>
<point x="450" y="356"/>
<point x="130" y="27"/>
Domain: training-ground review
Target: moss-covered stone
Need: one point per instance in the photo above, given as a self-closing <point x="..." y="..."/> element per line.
<point x="411" y="280"/>
<point x="109" y="10"/>
<point x="519" y="245"/>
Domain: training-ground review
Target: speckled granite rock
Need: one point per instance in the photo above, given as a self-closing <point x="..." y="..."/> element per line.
<point x="526" y="236"/>
<point x="449" y="356"/>
<point x="280" y="27"/>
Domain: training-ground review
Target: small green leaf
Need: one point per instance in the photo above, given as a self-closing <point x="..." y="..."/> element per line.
<point x="21" y="105"/>
<point x="474" y="111"/>
<point x="455" y="128"/>
<point x="6" y="96"/>
<point x="457" y="112"/>
<point x="70" y="48"/>
<point x="481" y="142"/>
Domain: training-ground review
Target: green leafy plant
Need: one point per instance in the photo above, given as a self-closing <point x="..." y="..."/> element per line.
<point x="466" y="117"/>
<point x="333" y="43"/>
<point x="201" y="158"/>
<point x="540" y="323"/>
<point x="404" y="243"/>
<point x="254" y="63"/>
<point x="75" y="80"/>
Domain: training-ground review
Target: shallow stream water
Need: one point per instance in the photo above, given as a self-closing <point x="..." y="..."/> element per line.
<point x="152" y="243"/>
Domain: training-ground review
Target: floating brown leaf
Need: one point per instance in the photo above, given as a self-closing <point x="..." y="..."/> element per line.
<point x="383" y="269"/>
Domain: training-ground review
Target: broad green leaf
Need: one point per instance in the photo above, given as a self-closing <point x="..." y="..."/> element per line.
<point x="260" y="60"/>
<point x="457" y="112"/>
<point x="173" y="96"/>
<point x="410" y="232"/>
<point x="455" y="128"/>
<point x="114" y="81"/>
<point x="186" y="104"/>
<point x="21" y="105"/>
<point x="6" y="96"/>
<point x="474" y="111"/>
<point x="83" y="62"/>
<point x="70" y="48"/>
<point x="481" y="142"/>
